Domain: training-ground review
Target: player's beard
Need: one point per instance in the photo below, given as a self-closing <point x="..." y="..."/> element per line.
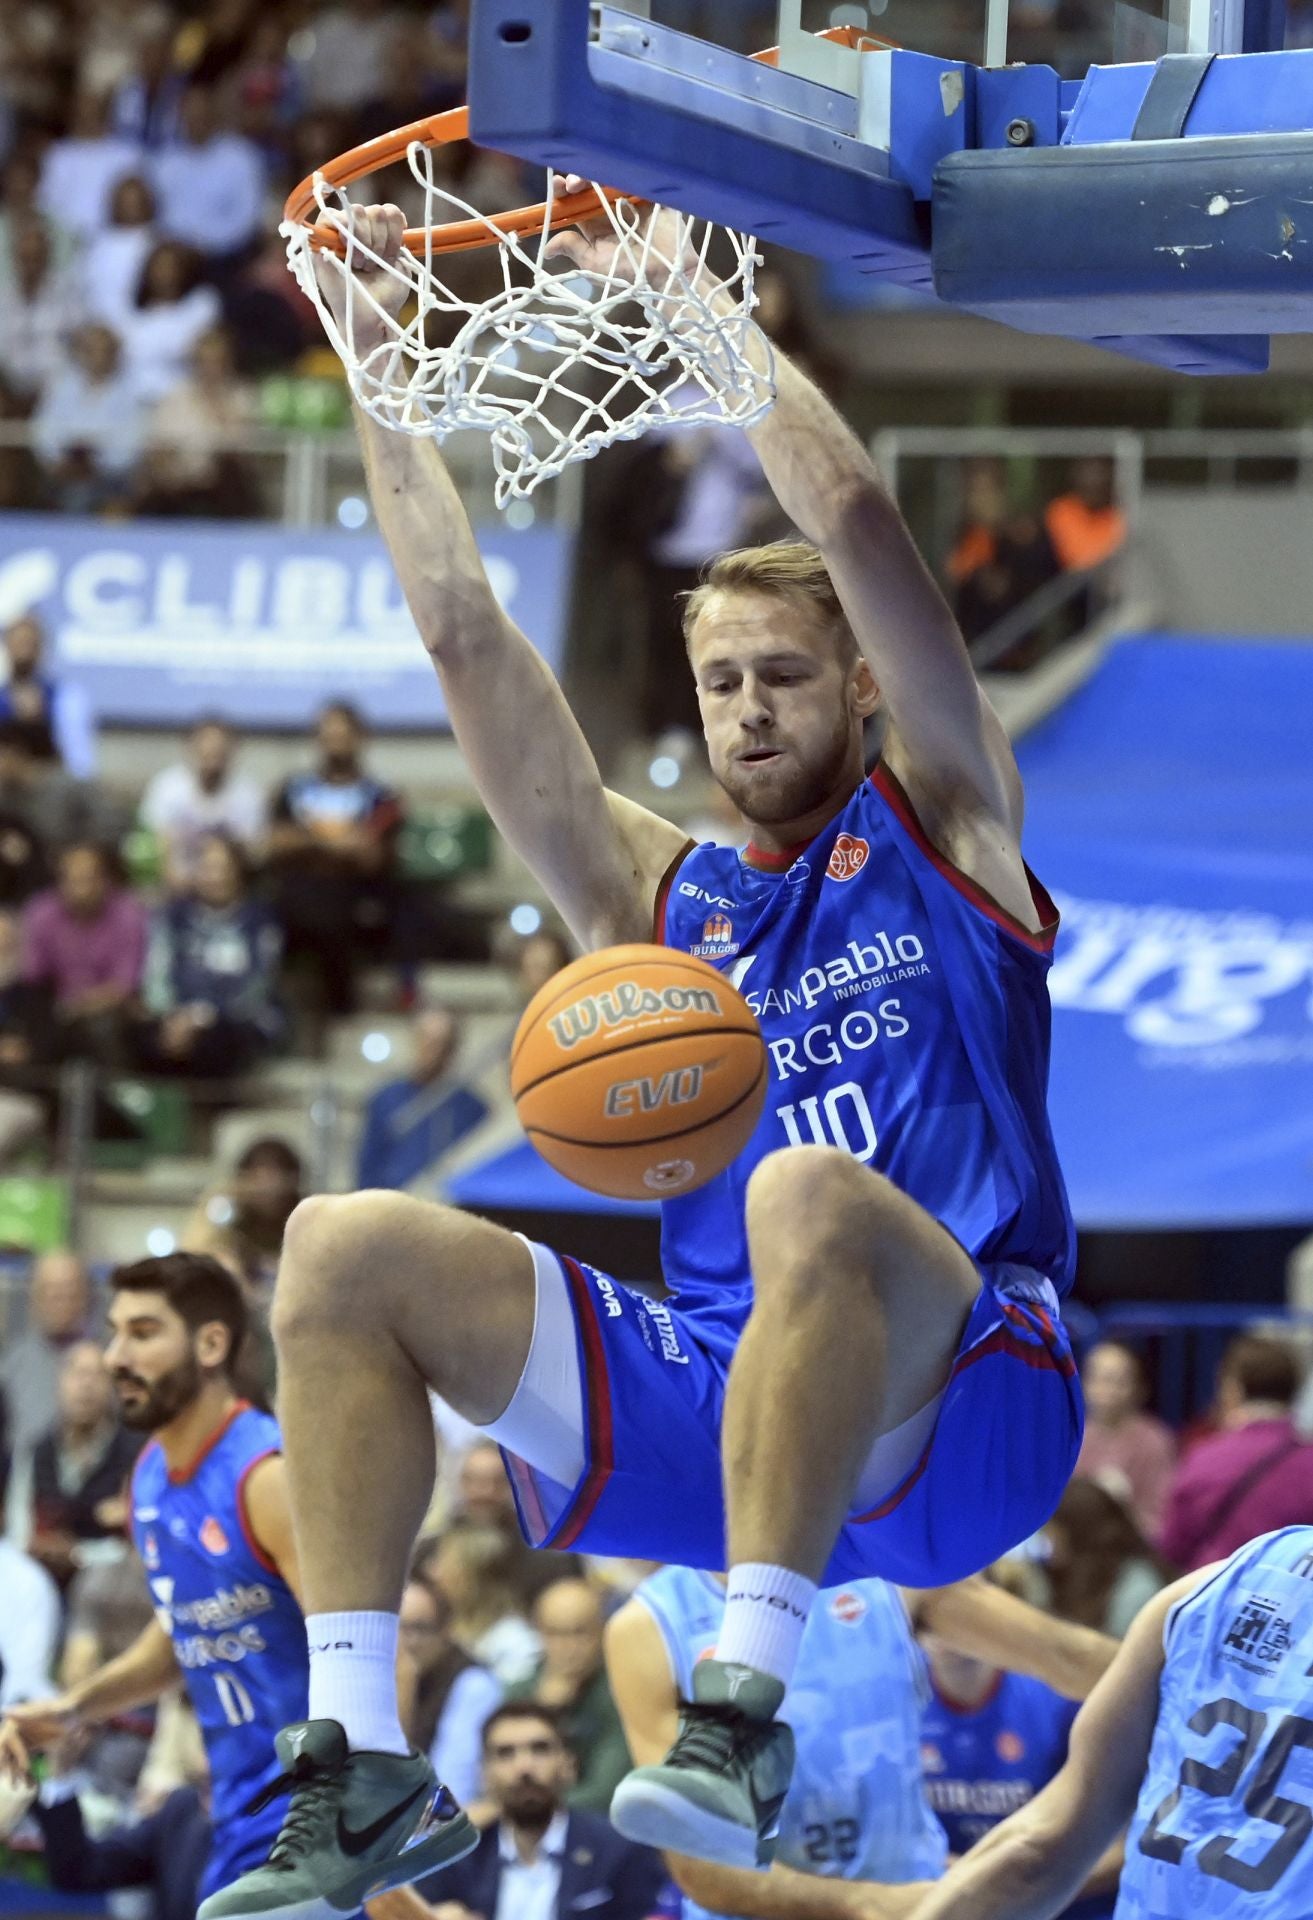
<point x="164" y="1399"/>
<point x="773" y="799"/>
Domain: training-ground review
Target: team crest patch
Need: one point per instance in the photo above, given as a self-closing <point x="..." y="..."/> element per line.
<point x="212" y="1537"/>
<point x="717" y="942"/>
<point x="848" y="856"/>
<point x="1010" y="1747"/>
<point x="848" y="1608"/>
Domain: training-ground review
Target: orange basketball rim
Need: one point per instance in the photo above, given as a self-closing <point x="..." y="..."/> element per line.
<point x="444" y="129"/>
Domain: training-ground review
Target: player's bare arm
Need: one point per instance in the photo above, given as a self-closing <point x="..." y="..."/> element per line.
<point x="1034" y="1864"/>
<point x="139" y="1675"/>
<point x="643" y="1688"/>
<point x="601" y="859"/>
<point x="987" y="1623"/>
<point x="269" y="1516"/>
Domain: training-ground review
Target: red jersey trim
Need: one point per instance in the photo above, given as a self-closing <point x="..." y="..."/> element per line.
<point x="1042" y="942"/>
<point x="180" y="1475"/>
<point x="767" y="862"/>
<point x="662" y="900"/>
<point x="964" y="1707"/>
<point x="244" y="1518"/>
<point x="601" y="1434"/>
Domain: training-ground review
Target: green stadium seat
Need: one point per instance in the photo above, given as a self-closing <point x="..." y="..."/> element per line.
<point x="33" y="1213"/>
<point x="446" y="842"/>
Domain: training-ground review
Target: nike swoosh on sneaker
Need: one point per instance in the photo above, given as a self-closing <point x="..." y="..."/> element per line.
<point x="354" y="1842"/>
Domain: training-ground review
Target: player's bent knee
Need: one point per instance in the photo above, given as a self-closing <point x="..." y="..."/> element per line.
<point x="800" y="1188"/>
<point x="339" y="1253"/>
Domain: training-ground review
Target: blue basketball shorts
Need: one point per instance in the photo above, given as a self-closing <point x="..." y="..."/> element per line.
<point x="612" y="1441"/>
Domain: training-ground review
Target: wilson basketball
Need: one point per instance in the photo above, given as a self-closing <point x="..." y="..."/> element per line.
<point x="639" y="1072"/>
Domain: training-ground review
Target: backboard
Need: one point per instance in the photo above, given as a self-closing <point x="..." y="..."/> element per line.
<point x="1142" y="178"/>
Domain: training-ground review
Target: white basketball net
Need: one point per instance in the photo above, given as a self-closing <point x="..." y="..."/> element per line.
<point x="557" y="363"/>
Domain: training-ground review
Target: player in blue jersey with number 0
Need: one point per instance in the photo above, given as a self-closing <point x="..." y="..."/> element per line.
<point x="212" y="1526"/>
<point x="862" y="1369"/>
<point x="1201" y="1735"/>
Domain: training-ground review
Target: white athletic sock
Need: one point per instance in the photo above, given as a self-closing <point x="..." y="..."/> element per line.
<point x="766" y="1610"/>
<point x="353" y="1678"/>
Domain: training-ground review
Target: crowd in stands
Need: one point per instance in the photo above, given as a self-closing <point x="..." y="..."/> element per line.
<point x="242" y="914"/>
<point x="145" y="153"/>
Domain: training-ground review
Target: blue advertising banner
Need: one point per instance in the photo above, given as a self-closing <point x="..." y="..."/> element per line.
<point x="1169" y="809"/>
<point x="1170" y="812"/>
<point x="158" y="621"/>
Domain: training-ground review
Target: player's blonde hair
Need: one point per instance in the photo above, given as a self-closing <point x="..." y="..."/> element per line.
<point x="786" y="569"/>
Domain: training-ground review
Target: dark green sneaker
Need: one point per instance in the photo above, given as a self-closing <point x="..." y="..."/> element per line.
<point x="359" y="1824"/>
<point x="717" y="1794"/>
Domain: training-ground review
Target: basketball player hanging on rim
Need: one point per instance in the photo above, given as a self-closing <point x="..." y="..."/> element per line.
<point x="862" y="1370"/>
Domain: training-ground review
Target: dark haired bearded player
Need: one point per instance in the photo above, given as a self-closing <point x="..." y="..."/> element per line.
<point x="212" y="1526"/>
<point x="862" y="1370"/>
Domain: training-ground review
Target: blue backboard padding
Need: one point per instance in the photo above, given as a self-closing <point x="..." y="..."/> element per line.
<point x="1168" y="806"/>
<point x="550" y="99"/>
<point x="1240" y="93"/>
<point x="1163" y="237"/>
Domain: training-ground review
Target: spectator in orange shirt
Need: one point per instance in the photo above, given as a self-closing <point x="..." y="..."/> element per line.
<point x="1085" y="525"/>
<point x="1001" y="556"/>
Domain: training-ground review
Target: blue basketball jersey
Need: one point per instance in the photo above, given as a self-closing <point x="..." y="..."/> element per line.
<point x="855" y="1809"/>
<point x="1224" y="1822"/>
<point x="982" y="1763"/>
<point x="907" y="1021"/>
<point x="237" y="1632"/>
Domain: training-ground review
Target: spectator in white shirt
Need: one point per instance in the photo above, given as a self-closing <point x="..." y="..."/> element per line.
<point x="170" y="313"/>
<point x="192" y="466"/>
<point x="348" y="61"/>
<point x="112" y="261"/>
<point x="200" y="796"/>
<point x="29" y="1627"/>
<point x="80" y="171"/>
<point x="210" y="182"/>
<point x="87" y="428"/>
<point x="39" y="310"/>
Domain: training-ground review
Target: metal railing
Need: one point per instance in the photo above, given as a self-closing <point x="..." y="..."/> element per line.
<point x="923" y="466"/>
<point x="305" y="479"/>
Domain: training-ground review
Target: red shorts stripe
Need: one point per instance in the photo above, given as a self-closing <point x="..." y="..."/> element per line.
<point x="1000" y="1341"/>
<point x="601" y="1438"/>
<point x="248" y="1531"/>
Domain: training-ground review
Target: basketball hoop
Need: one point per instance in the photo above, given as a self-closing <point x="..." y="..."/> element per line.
<point x="557" y="362"/>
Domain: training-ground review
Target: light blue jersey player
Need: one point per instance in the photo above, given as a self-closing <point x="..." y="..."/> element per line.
<point x="858" y="1369"/>
<point x="855" y="1808"/>
<point x="1201" y="1736"/>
